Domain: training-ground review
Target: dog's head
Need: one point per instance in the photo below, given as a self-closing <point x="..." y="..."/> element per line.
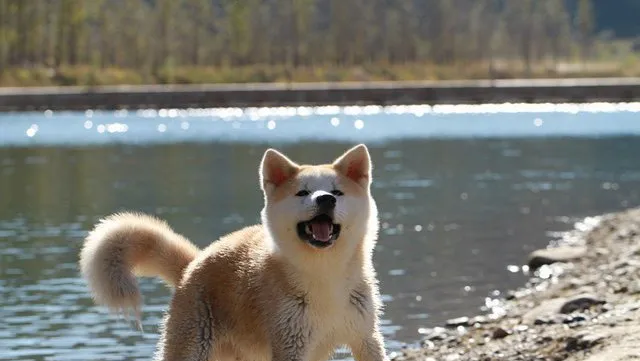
<point x="318" y="206"/>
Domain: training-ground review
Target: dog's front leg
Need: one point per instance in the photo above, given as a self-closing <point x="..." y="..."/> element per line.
<point x="290" y="344"/>
<point x="290" y="331"/>
<point x="288" y="354"/>
<point x="369" y="348"/>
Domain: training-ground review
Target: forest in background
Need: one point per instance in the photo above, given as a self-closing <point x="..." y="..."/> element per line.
<point x="95" y="42"/>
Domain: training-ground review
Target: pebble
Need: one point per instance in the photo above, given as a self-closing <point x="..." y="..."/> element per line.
<point x="634" y="288"/>
<point x="572" y="344"/>
<point x="435" y="334"/>
<point x="574" y="319"/>
<point x="582" y="342"/>
<point x="479" y="320"/>
<point x="543" y="321"/>
<point x="499" y="333"/>
<point x="548" y="256"/>
<point x="579" y="303"/>
<point x="460" y="321"/>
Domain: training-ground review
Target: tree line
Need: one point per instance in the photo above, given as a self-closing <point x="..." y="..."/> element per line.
<point x="150" y="35"/>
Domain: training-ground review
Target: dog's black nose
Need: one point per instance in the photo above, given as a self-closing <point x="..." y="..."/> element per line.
<point x="326" y="201"/>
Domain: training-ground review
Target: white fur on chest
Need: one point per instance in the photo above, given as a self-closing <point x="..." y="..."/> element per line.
<point x="333" y="318"/>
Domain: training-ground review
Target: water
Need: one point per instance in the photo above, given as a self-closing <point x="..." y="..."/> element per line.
<point x="464" y="194"/>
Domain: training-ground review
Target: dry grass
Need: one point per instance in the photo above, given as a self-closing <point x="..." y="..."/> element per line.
<point x="91" y="76"/>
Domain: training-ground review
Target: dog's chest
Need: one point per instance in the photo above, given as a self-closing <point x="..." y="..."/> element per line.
<point x="338" y="313"/>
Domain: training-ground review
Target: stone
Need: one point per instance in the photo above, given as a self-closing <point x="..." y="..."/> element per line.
<point x="499" y="333"/>
<point x="479" y="320"/>
<point x="572" y="344"/>
<point x="621" y="289"/>
<point x="428" y="344"/>
<point x="580" y="303"/>
<point x="547" y="256"/>
<point x="634" y="288"/>
<point x="511" y="295"/>
<point x="574" y="319"/>
<point x="543" y="321"/>
<point x="460" y="321"/>
<point x="436" y="334"/>
<point x="546" y="309"/>
<point x="582" y="342"/>
<point x="592" y="339"/>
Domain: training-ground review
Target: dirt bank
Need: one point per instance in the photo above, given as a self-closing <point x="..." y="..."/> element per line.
<point x="319" y="94"/>
<point x="582" y="303"/>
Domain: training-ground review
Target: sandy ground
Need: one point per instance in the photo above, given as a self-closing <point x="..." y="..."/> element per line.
<point x="582" y="303"/>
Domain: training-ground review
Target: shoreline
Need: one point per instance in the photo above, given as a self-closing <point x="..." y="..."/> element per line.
<point x="582" y="302"/>
<point x="574" y="90"/>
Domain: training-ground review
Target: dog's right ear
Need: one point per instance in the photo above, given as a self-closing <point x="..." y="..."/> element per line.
<point x="276" y="169"/>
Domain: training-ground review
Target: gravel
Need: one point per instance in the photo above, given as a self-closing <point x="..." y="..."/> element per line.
<point x="581" y="303"/>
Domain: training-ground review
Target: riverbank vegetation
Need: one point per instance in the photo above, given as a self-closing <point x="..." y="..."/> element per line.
<point x="100" y="42"/>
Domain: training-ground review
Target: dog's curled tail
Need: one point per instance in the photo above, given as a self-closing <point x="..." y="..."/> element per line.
<point x="125" y="245"/>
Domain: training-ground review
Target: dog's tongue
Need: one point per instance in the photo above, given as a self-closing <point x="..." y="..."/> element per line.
<point x="321" y="230"/>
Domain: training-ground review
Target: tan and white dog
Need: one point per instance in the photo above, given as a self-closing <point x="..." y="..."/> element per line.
<point x="295" y="287"/>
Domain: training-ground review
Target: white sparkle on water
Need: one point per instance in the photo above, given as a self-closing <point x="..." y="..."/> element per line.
<point x="33" y="129"/>
<point x="117" y="128"/>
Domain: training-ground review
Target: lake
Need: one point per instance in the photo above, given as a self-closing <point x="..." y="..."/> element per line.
<point x="464" y="193"/>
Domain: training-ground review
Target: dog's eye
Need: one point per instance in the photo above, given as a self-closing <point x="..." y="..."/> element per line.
<point x="337" y="193"/>
<point x="302" y="193"/>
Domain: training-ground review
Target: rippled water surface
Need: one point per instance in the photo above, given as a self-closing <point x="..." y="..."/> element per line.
<point x="464" y="194"/>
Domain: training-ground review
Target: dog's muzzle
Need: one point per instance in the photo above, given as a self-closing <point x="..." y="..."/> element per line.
<point x="319" y="231"/>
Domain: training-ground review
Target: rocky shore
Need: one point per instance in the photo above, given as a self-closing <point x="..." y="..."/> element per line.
<point x="581" y="303"/>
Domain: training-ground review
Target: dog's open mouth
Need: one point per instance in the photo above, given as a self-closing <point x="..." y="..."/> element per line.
<point x="320" y="231"/>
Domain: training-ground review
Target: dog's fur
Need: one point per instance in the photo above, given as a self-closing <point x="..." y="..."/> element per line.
<point x="263" y="292"/>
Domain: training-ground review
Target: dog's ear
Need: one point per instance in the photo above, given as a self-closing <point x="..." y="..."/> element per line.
<point x="355" y="164"/>
<point x="276" y="169"/>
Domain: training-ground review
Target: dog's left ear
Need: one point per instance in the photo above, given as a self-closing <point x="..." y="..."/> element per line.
<point x="356" y="165"/>
<point x="276" y="169"/>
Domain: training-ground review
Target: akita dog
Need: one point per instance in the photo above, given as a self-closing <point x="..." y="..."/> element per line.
<point x="295" y="287"/>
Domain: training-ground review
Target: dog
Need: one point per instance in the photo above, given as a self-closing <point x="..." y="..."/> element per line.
<point x="294" y="287"/>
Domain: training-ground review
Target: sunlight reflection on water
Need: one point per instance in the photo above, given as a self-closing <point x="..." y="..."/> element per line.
<point x="332" y="123"/>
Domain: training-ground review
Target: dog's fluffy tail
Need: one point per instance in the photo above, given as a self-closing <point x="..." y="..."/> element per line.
<point x="125" y="245"/>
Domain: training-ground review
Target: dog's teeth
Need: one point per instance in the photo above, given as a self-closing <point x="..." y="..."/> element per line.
<point x="308" y="229"/>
